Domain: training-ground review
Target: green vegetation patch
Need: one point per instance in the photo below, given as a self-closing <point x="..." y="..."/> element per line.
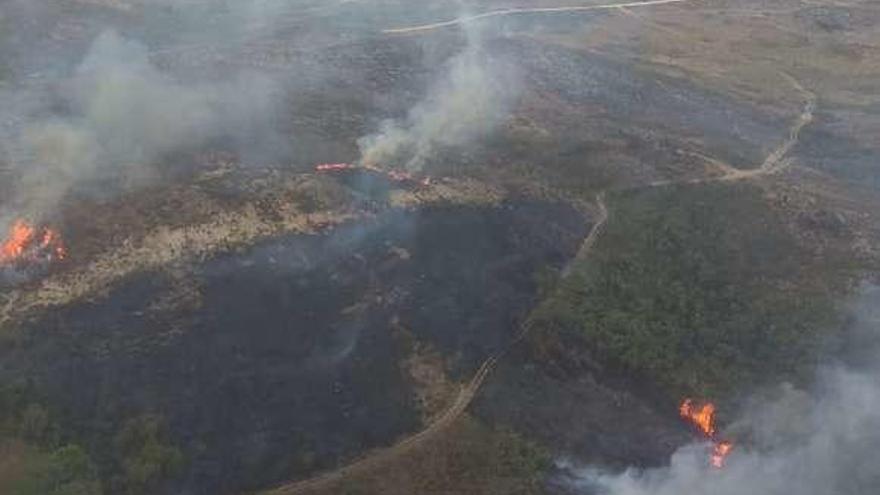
<point x="67" y="470"/>
<point x="698" y="289"/>
<point x="35" y="458"/>
<point x="470" y="457"/>
<point x="38" y="458"/>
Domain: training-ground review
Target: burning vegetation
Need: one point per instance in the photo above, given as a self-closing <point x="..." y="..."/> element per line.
<point x="395" y="176"/>
<point x="27" y="244"/>
<point x="703" y="417"/>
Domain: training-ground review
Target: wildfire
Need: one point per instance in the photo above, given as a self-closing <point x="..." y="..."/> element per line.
<point x="720" y="451"/>
<point x="26" y="243"/>
<point x="393" y="175"/>
<point x="703" y="417"/>
<point x="329" y="167"/>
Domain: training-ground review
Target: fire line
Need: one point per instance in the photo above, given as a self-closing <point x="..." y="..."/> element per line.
<point x="703" y="418"/>
<point x="393" y="175"/>
<point x="26" y="243"/>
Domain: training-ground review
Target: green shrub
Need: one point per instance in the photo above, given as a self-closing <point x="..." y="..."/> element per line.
<point x="146" y="456"/>
<point x="700" y="290"/>
<point x="66" y="471"/>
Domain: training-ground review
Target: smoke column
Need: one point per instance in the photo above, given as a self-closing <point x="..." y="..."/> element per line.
<point x="473" y="95"/>
<point x="119" y="114"/>
<point x="819" y="442"/>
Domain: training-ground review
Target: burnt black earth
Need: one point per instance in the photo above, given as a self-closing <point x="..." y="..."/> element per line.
<point x="284" y="359"/>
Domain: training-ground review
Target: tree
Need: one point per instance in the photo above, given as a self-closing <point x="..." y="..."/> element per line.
<point x="147" y="457"/>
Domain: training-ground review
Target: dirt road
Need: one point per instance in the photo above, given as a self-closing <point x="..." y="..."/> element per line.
<point x="773" y="163"/>
<point x="591" y="238"/>
<point x="379" y="457"/>
<point x="456" y="409"/>
<point x="533" y="10"/>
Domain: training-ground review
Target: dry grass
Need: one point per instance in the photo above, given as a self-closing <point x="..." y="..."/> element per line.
<point x="471" y="459"/>
<point x="13" y="464"/>
<point x="426" y="368"/>
<point x="738" y="46"/>
<point x="226" y="231"/>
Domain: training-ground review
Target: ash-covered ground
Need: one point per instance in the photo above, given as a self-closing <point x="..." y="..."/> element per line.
<point x="288" y="354"/>
<point x="603" y="210"/>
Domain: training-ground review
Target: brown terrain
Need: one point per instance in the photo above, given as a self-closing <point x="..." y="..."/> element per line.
<point x="307" y="332"/>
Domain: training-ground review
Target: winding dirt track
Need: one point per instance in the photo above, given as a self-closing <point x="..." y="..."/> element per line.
<point x="465" y="396"/>
<point x="533" y="10"/>
<point x="773" y="163"/>
<point x="379" y="457"/>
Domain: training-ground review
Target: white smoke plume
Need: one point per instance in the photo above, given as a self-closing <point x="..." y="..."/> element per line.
<point x="120" y="115"/>
<point x="473" y="95"/>
<point x="820" y="442"/>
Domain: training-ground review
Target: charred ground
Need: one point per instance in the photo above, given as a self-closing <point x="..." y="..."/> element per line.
<point x="236" y="323"/>
<point x="283" y="356"/>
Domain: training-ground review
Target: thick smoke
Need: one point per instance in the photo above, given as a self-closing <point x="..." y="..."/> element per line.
<point x="472" y="96"/>
<point x="119" y="114"/>
<point x="817" y="443"/>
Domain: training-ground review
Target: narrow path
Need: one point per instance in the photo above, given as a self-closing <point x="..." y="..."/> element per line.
<point x="379" y="457"/>
<point x="532" y="10"/>
<point x="465" y="396"/>
<point x="774" y="162"/>
<point x="591" y="238"/>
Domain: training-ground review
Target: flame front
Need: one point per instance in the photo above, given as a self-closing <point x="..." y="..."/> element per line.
<point x="20" y="236"/>
<point x="26" y="243"/>
<point x="703" y="417"/>
<point x="329" y="167"/>
<point x="393" y="175"/>
<point x="720" y="452"/>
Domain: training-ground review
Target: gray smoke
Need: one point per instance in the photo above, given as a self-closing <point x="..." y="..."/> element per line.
<point x="121" y="114"/>
<point x="819" y="442"/>
<point x="473" y="95"/>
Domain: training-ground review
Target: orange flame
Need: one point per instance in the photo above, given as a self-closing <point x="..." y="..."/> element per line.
<point x="20" y="236"/>
<point x="720" y="452"/>
<point x="703" y="418"/>
<point x="329" y="167"/>
<point x="28" y="243"/>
